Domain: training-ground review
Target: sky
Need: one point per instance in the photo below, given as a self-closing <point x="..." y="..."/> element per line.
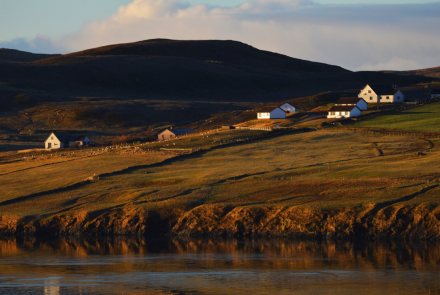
<point x="357" y="35"/>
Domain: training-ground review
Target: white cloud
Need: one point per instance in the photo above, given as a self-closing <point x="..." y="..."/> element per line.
<point x="40" y="44"/>
<point x="357" y="37"/>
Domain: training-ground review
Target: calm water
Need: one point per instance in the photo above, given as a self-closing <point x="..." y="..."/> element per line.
<point x="192" y="266"/>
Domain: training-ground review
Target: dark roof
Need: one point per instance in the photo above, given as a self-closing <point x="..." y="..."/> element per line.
<point x="181" y="131"/>
<point x="341" y="108"/>
<point x="380" y="89"/>
<point x="391" y="92"/>
<point x="267" y="109"/>
<point x="63" y="137"/>
<point x="349" y="100"/>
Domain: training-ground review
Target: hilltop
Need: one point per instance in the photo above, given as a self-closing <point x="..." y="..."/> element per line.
<point x="12" y="55"/>
<point x="428" y="72"/>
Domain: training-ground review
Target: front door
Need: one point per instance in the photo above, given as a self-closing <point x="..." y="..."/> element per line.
<point x="49" y="145"/>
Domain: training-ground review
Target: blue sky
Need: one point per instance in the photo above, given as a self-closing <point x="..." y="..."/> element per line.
<point x="358" y="35"/>
<point x="28" y="18"/>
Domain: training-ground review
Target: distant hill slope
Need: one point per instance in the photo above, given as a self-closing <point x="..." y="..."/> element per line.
<point x="12" y="55"/>
<point x="429" y="72"/>
<point x="215" y="51"/>
<point x="156" y="83"/>
<point x="227" y="71"/>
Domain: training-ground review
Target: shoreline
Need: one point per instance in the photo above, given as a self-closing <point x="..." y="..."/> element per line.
<point x="368" y="223"/>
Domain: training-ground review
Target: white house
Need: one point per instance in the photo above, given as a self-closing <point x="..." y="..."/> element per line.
<point x="352" y="101"/>
<point x="343" y="112"/>
<point x="271" y="113"/>
<point x="289" y="108"/>
<point x="62" y="140"/>
<point x="392" y="96"/>
<point x="381" y="93"/>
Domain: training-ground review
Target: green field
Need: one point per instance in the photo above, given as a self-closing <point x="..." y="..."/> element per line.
<point x="424" y="118"/>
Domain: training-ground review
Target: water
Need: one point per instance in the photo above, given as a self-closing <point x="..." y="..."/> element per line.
<point x="201" y="266"/>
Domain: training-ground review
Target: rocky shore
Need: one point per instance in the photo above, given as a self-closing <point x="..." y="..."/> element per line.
<point x="367" y="223"/>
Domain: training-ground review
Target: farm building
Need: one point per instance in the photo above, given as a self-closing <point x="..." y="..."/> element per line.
<point x="62" y="140"/>
<point x="381" y="93"/>
<point x="289" y="108"/>
<point x="271" y="113"/>
<point x="173" y="133"/>
<point x="344" y="112"/>
<point x="352" y="101"/>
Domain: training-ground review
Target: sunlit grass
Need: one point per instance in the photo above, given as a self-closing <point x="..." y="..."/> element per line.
<point x="425" y="118"/>
<point x="324" y="169"/>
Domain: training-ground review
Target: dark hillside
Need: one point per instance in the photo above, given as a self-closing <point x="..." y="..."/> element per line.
<point x="225" y="71"/>
<point x="139" y="86"/>
<point x="12" y="55"/>
<point x="215" y="51"/>
<point x="430" y="72"/>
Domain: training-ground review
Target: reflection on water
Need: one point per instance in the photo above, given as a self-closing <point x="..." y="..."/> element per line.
<point x="199" y="266"/>
<point x="51" y="287"/>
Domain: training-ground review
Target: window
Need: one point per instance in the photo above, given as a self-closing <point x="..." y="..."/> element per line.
<point x="51" y="138"/>
<point x="369" y="91"/>
<point x="371" y="98"/>
<point x="55" y="144"/>
<point x="388" y="97"/>
<point x="398" y="97"/>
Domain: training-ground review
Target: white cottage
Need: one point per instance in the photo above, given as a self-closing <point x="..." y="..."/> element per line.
<point x="344" y="112"/>
<point x="62" y="140"/>
<point x="289" y="108"/>
<point x="271" y="113"/>
<point x="353" y="101"/>
<point x="392" y="96"/>
<point x="382" y="94"/>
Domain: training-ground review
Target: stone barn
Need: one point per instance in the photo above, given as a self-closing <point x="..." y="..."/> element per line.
<point x="173" y="133"/>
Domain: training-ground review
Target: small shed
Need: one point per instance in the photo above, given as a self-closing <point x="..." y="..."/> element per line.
<point x="168" y="134"/>
<point x="289" y="108"/>
<point x="352" y="101"/>
<point x="57" y="140"/>
<point x="344" y="112"/>
<point x="271" y="113"/>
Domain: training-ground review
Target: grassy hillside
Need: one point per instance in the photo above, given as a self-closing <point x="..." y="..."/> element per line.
<point x="429" y="72"/>
<point x="312" y="170"/>
<point x="425" y="118"/>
